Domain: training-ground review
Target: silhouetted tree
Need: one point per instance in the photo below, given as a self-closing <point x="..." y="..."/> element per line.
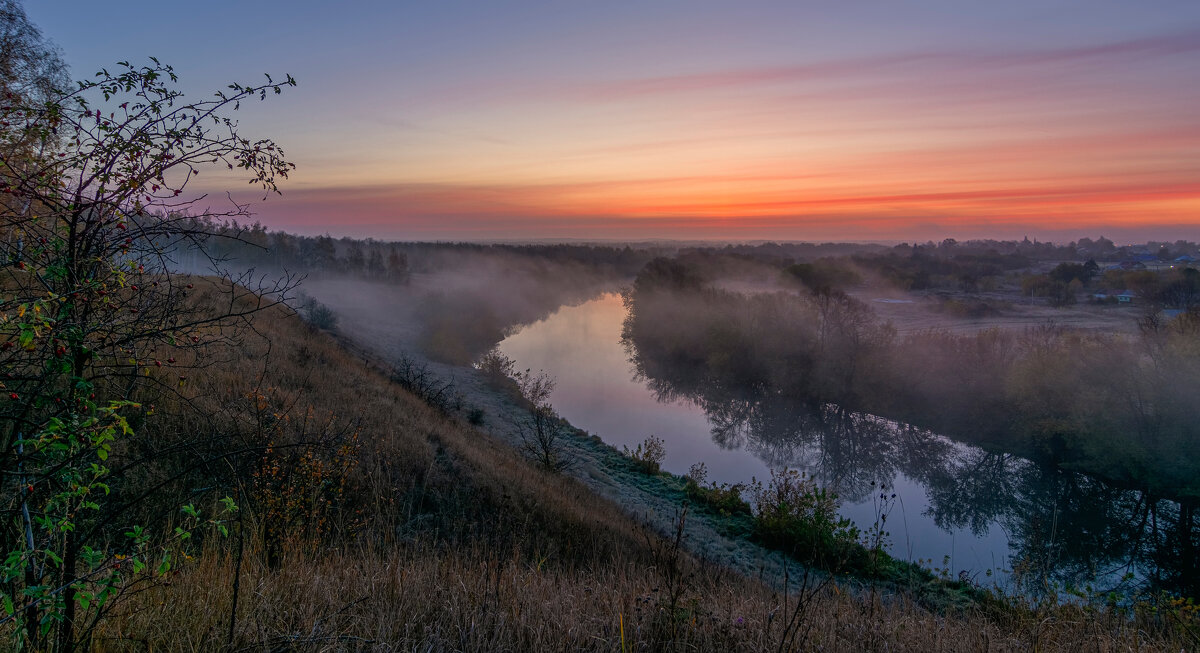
<point x="95" y="212"/>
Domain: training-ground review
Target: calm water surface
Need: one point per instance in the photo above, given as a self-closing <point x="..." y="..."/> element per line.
<point x="597" y="391"/>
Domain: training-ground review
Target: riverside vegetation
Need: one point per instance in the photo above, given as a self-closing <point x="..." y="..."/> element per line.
<point x="774" y="368"/>
<point x="189" y="465"/>
<point x="1116" y="406"/>
<point x="369" y="519"/>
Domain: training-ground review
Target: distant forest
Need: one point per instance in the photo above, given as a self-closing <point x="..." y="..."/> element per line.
<point x="909" y="265"/>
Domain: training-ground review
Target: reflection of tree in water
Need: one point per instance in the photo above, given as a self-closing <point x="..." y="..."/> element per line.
<point x="1072" y="529"/>
<point x="847" y="451"/>
<point x="1067" y="528"/>
<point x="1064" y="528"/>
<point x="972" y="490"/>
<point x="851" y="453"/>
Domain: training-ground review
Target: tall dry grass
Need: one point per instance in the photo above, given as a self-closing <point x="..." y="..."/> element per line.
<point x="426" y="597"/>
<point x="429" y="535"/>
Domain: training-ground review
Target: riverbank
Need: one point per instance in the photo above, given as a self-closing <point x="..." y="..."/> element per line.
<point x="653" y="499"/>
<point x="436" y="535"/>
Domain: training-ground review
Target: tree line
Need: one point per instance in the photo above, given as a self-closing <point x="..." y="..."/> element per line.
<point x="1116" y="406"/>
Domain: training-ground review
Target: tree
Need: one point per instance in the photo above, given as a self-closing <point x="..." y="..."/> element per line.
<point x="541" y="430"/>
<point x="397" y="264"/>
<point x="375" y="266"/>
<point x="31" y="68"/>
<point x="825" y="277"/>
<point x="1068" y="272"/>
<point x="324" y="252"/>
<point x="356" y="259"/>
<point x="94" y="216"/>
<point x="284" y="250"/>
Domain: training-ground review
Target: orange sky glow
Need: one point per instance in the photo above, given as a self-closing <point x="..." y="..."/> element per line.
<point x="781" y="121"/>
<point x="907" y="146"/>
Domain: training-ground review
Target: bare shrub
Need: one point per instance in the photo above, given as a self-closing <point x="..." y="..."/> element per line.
<point x="540" y="428"/>
<point x="675" y="571"/>
<point x="417" y="378"/>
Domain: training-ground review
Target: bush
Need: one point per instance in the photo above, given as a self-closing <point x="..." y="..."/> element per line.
<point x="495" y="365"/>
<point x="316" y="314"/>
<point x="724" y="499"/>
<point x="648" y="455"/>
<point x="417" y="378"/>
<point x="793" y="514"/>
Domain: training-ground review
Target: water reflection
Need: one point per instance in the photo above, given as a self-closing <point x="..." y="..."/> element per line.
<point x="1063" y="527"/>
<point x="1052" y="526"/>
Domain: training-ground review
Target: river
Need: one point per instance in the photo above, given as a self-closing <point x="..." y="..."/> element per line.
<point x="597" y="391"/>
<point x="990" y="516"/>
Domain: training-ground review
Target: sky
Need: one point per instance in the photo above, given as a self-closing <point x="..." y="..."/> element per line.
<point x="863" y="121"/>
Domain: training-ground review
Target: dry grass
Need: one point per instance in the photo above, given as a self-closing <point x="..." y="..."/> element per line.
<point x="439" y="537"/>
<point x="426" y="597"/>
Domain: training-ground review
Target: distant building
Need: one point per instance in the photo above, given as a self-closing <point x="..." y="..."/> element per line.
<point x="1125" y="297"/>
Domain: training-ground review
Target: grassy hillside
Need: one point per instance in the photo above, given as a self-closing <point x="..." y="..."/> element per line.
<point x="369" y="520"/>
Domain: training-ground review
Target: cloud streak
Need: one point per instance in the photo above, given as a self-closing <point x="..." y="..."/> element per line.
<point x="492" y="211"/>
<point x="915" y="64"/>
<point x="955" y="138"/>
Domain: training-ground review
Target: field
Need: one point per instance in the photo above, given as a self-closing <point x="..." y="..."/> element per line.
<point x="920" y="311"/>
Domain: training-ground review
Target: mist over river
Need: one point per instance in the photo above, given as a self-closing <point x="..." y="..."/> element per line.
<point x="958" y="508"/>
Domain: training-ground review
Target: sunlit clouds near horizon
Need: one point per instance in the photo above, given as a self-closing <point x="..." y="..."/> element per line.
<point x="791" y="121"/>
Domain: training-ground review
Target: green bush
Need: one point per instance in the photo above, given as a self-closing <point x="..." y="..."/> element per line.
<point x="723" y="498"/>
<point x="648" y="455"/>
<point x="793" y="514"/>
